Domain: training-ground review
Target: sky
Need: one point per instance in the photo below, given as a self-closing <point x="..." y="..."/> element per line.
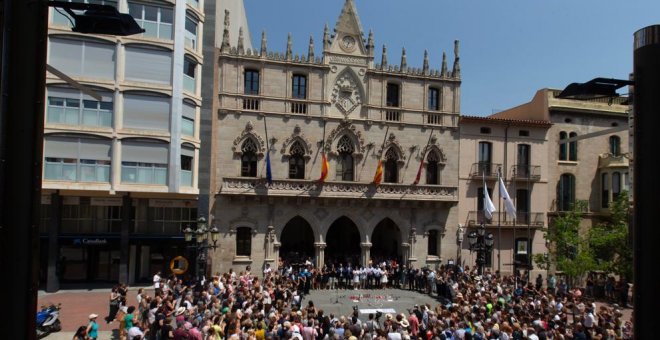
<point x="509" y="49"/>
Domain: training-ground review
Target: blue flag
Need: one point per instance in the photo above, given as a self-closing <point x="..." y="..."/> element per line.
<point x="269" y="174"/>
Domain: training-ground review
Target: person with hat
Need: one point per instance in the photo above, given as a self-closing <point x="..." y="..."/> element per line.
<point x="92" y="327"/>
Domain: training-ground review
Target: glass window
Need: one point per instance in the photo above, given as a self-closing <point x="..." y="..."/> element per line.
<point x="615" y="145"/>
<point x="243" y="241"/>
<point x="392" y="95"/>
<point x="344" y="159"/>
<point x="566" y="192"/>
<point x="249" y="159"/>
<point x="156" y="21"/>
<point x="171" y="221"/>
<point x="433" y="243"/>
<point x="191" y="33"/>
<point x="572" y="148"/>
<point x="189" y="67"/>
<point x="251" y="85"/>
<point x="616" y="185"/>
<point x="605" y="193"/>
<point x="186" y="168"/>
<point x="76" y="159"/>
<point x="563" y="147"/>
<point x="299" y="90"/>
<point x="297" y="161"/>
<point x="68" y="111"/>
<point x="432" y="168"/>
<point x="434" y="99"/>
<point x="144" y="173"/>
<point x="187" y="126"/>
<point x="391" y="167"/>
<point x="485" y="158"/>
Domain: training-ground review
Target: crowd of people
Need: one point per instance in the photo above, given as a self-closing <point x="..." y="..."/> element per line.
<point x="272" y="305"/>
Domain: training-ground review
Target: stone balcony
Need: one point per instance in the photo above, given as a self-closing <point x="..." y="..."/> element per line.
<point x="350" y="190"/>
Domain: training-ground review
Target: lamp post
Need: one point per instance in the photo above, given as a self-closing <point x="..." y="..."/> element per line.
<point x="481" y="243"/>
<point x="201" y="244"/>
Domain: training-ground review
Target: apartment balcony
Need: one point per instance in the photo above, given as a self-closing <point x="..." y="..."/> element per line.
<point x="314" y="189"/>
<point x="526" y="172"/>
<point x="523" y="219"/>
<point x="487" y="169"/>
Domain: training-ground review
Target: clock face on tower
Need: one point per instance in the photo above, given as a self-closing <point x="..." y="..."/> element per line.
<point x="347" y="43"/>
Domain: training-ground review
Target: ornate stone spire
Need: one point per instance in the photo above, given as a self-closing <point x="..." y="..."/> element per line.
<point x="456" y="72"/>
<point x="326" y="37"/>
<point x="239" y="46"/>
<point x="426" y="62"/>
<point x="264" y="45"/>
<point x="310" y="50"/>
<point x="443" y="70"/>
<point x="404" y="60"/>
<point x="370" y="44"/>
<point x="289" y="47"/>
<point x="224" y="48"/>
<point x="383" y="62"/>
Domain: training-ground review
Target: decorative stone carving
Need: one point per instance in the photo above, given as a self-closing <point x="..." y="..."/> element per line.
<point x="393" y="143"/>
<point x="433" y="146"/>
<point x="345" y="127"/>
<point x="346" y="94"/>
<point x="248" y="132"/>
<point x="297" y="135"/>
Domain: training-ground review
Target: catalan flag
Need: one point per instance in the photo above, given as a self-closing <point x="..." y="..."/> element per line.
<point x="378" y="177"/>
<point x="419" y="172"/>
<point x="325" y="167"/>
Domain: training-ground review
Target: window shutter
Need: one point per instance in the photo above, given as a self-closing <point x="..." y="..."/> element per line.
<point x="65" y="55"/>
<point x="99" y="60"/>
<point x="146" y="112"/>
<point x="187" y="151"/>
<point x="61" y="147"/>
<point x="148" y="65"/>
<point x="144" y="152"/>
<point x="188" y="110"/>
<point x="95" y="149"/>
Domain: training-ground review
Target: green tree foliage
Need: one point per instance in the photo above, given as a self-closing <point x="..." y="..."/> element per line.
<point x="610" y="243"/>
<point x="569" y="248"/>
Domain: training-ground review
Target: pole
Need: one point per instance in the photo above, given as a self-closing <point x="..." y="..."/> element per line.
<point x="22" y="84"/>
<point x="646" y="183"/>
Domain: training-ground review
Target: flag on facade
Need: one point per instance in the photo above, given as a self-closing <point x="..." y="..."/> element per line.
<point x="508" y="203"/>
<point x="269" y="173"/>
<point x="324" y="168"/>
<point x="419" y="171"/>
<point x="489" y="207"/>
<point x="378" y="177"/>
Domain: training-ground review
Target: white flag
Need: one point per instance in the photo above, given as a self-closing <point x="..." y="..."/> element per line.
<point x="508" y="203"/>
<point x="489" y="207"/>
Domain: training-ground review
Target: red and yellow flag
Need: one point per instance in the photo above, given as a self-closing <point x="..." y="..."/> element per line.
<point x="419" y="172"/>
<point x="324" y="168"/>
<point x="378" y="177"/>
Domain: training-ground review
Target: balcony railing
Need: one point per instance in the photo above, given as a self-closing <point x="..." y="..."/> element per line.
<point x="251" y="104"/>
<point x="393" y="115"/>
<point x="484" y="169"/>
<point x="307" y="188"/>
<point x="523" y="219"/>
<point x="189" y="83"/>
<point x="526" y="172"/>
<point x="434" y="119"/>
<point x="298" y="107"/>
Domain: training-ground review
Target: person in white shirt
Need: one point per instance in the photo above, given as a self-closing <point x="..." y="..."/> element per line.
<point x="156" y="281"/>
<point x="135" y="333"/>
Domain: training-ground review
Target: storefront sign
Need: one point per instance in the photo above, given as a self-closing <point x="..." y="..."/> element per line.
<point x="106" y="201"/>
<point x="90" y="241"/>
<point x="159" y="203"/>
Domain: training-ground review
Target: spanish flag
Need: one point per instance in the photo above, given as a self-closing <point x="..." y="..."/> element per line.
<point x="324" y="168"/>
<point x="419" y="172"/>
<point x="378" y="177"/>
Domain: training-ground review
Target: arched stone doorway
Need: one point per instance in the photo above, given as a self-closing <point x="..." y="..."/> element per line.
<point x="343" y="242"/>
<point x="386" y="242"/>
<point x="297" y="241"/>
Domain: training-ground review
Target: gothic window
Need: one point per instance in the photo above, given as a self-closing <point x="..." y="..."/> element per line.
<point x="563" y="147"/>
<point x="251" y="85"/>
<point x="392" y="95"/>
<point x="432" y="168"/>
<point x="433" y="243"/>
<point x="566" y="192"/>
<point x="344" y="159"/>
<point x="297" y="161"/>
<point x="243" y="241"/>
<point x="249" y="159"/>
<point x="299" y="90"/>
<point x="434" y="99"/>
<point x="572" y="147"/>
<point x="391" y="166"/>
<point x="615" y="145"/>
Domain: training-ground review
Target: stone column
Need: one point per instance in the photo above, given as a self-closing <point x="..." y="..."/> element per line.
<point x="127" y="205"/>
<point x="366" y="253"/>
<point x="276" y="251"/>
<point x="270" y="234"/>
<point x="405" y="250"/>
<point x="412" y="237"/>
<point x="53" y="278"/>
<point x="319" y="248"/>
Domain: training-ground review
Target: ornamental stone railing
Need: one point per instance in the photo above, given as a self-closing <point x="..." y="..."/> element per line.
<point x="315" y="189"/>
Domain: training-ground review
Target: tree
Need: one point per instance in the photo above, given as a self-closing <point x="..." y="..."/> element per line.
<point x="610" y="241"/>
<point x="569" y="248"/>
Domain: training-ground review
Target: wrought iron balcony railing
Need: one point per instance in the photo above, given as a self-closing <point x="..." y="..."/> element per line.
<point x="526" y="172"/>
<point x="487" y="169"/>
<point x="523" y="219"/>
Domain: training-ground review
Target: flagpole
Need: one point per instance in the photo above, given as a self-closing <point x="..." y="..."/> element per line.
<point x="499" y="226"/>
<point x="267" y="146"/>
<point x="515" y="177"/>
<point x="421" y="163"/>
<point x="382" y="147"/>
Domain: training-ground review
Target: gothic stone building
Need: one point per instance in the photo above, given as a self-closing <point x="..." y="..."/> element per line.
<point x="294" y="110"/>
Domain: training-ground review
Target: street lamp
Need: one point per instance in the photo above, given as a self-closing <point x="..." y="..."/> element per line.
<point x="201" y="244"/>
<point x="481" y="243"/>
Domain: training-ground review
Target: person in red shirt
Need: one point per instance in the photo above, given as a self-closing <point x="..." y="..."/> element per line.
<point x="414" y="324"/>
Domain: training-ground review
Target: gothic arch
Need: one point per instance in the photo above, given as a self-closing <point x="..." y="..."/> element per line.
<point x="400" y="222"/>
<point x="329" y="220"/>
<point x="249" y="132"/>
<point x="433" y="146"/>
<point x="392" y="143"/>
<point x="281" y="223"/>
<point x="350" y="130"/>
<point x="297" y="136"/>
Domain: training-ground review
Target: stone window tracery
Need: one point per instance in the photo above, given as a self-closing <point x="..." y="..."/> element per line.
<point x="297" y="161"/>
<point x="391" y="166"/>
<point x="345" y="148"/>
<point x="249" y="158"/>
